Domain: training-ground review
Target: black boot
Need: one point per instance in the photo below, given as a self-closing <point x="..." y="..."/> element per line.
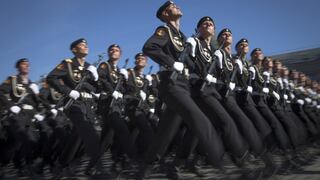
<point x="194" y="167"/>
<point x="144" y="171"/>
<point x="270" y="167"/>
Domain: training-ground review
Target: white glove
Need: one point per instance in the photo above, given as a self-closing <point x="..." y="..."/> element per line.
<point x="232" y="86"/>
<point x="54" y="112"/>
<point x="74" y="94"/>
<point x="149" y="78"/>
<point x="178" y="66"/>
<point x="285" y="81"/>
<point x="117" y="94"/>
<point x="97" y="95"/>
<point x="265" y="90"/>
<point x="15" y="109"/>
<point x="193" y="44"/>
<point x="124" y="72"/>
<point x="285" y="97"/>
<point x="219" y="56"/>
<point x="253" y="71"/>
<point x="265" y="73"/>
<point x="308" y="100"/>
<point x="300" y="101"/>
<point x="39" y="117"/>
<point x="249" y="89"/>
<point x="291" y="85"/>
<point x="314" y="103"/>
<point x="276" y="95"/>
<point x="211" y="79"/>
<point x="240" y="65"/>
<point x="292" y="96"/>
<point x="143" y="95"/>
<point x="152" y="110"/>
<point x="34" y="87"/>
<point x="94" y="72"/>
<point x="318" y="106"/>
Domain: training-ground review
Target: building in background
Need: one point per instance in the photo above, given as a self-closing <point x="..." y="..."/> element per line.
<point x="306" y="61"/>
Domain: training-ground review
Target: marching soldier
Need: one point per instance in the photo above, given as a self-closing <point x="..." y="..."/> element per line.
<point x="65" y="79"/>
<point x="225" y="72"/>
<point x="259" y="93"/>
<point x="136" y="105"/>
<point x="115" y="130"/>
<point x="202" y="54"/>
<point x="165" y="48"/>
<point x="20" y="96"/>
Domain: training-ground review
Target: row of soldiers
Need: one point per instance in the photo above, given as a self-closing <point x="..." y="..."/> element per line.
<point x="205" y="101"/>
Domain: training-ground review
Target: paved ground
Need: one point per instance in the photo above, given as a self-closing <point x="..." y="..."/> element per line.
<point x="306" y="172"/>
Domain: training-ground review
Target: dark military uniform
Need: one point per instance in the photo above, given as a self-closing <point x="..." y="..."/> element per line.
<point x="114" y="126"/>
<point x="244" y="124"/>
<point x="136" y="108"/>
<point x="209" y="98"/>
<point x="63" y="79"/>
<point x="164" y="47"/>
<point x="59" y="124"/>
<point x="21" y="139"/>
<point x="259" y="98"/>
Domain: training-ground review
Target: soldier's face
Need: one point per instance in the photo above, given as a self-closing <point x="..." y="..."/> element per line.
<point x="243" y="48"/>
<point x="141" y="61"/>
<point x="285" y="71"/>
<point x="81" y="49"/>
<point x="24" y="68"/>
<point x="226" y="37"/>
<point x="258" y="55"/>
<point x="114" y="53"/>
<point x="207" y="28"/>
<point x="173" y="11"/>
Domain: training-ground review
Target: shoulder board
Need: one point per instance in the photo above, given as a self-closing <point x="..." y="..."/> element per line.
<point x="103" y="65"/>
<point x="161" y="31"/>
<point x="68" y="60"/>
<point x="7" y="81"/>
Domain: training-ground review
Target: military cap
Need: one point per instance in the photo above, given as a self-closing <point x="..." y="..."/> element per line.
<point x="76" y="42"/>
<point x="139" y="54"/>
<point x="113" y="45"/>
<point x="224" y="30"/>
<point x="255" y="50"/>
<point x="205" y="18"/>
<point x="21" y="61"/>
<point x="243" y="40"/>
<point x="162" y="8"/>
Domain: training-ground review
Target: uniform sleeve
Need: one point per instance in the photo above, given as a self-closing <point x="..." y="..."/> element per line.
<point x="5" y="88"/>
<point x="154" y="47"/>
<point x="55" y="76"/>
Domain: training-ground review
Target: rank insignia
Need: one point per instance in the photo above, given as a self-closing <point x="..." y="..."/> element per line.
<point x="103" y="66"/>
<point x="160" y="32"/>
<point x="60" y="66"/>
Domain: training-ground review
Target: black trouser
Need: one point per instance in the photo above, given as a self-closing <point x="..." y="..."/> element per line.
<point x="114" y="127"/>
<point x="279" y="133"/>
<point x="312" y="129"/>
<point x="24" y="138"/>
<point x="58" y="139"/>
<point x="179" y="103"/>
<point x="248" y="106"/>
<point x="301" y="127"/>
<point x="83" y="131"/>
<point x="246" y="127"/>
<point x="220" y="118"/>
<point x="288" y="124"/>
<point x="141" y="122"/>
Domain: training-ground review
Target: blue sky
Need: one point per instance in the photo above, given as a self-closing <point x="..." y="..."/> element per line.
<point x="42" y="30"/>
